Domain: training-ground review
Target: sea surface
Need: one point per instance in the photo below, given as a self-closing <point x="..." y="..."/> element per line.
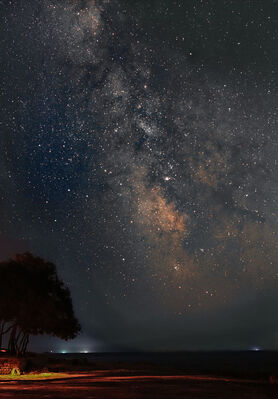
<point x="243" y="364"/>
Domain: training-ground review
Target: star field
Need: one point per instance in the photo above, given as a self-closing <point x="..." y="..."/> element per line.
<point x="139" y="154"/>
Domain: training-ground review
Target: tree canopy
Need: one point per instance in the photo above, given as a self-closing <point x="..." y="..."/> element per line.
<point x="33" y="301"/>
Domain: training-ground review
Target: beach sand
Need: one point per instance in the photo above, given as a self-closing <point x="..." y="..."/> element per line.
<point x="109" y="380"/>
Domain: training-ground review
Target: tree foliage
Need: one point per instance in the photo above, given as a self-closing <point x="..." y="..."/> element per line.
<point x="33" y="301"/>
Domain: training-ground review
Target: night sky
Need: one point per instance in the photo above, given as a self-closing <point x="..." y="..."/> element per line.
<point x="139" y="154"/>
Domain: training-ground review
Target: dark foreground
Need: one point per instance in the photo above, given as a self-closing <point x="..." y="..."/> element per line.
<point x="240" y="375"/>
<point x="109" y="386"/>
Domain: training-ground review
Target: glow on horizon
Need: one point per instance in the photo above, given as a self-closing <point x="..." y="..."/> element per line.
<point x="255" y="348"/>
<point x="63" y="351"/>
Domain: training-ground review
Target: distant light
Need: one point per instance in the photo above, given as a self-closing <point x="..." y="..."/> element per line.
<point x="63" y="351"/>
<point x="84" y="351"/>
<point x="255" y="348"/>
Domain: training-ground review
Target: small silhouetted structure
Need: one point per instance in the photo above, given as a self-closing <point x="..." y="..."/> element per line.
<point x="11" y="365"/>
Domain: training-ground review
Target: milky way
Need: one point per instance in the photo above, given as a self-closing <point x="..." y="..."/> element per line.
<point x="146" y="172"/>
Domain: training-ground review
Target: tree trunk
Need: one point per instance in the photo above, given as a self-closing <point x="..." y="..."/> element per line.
<point x="24" y="344"/>
<point x="5" y="327"/>
<point x="17" y="342"/>
<point x="2" y="325"/>
<point x="12" y="341"/>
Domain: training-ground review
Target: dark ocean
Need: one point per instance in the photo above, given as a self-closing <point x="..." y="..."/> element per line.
<point x="255" y="364"/>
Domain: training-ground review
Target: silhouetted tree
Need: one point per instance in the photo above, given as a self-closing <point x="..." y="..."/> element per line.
<point x="33" y="300"/>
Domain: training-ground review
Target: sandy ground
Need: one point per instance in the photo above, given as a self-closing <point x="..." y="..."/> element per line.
<point x="147" y="376"/>
<point x="107" y="385"/>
